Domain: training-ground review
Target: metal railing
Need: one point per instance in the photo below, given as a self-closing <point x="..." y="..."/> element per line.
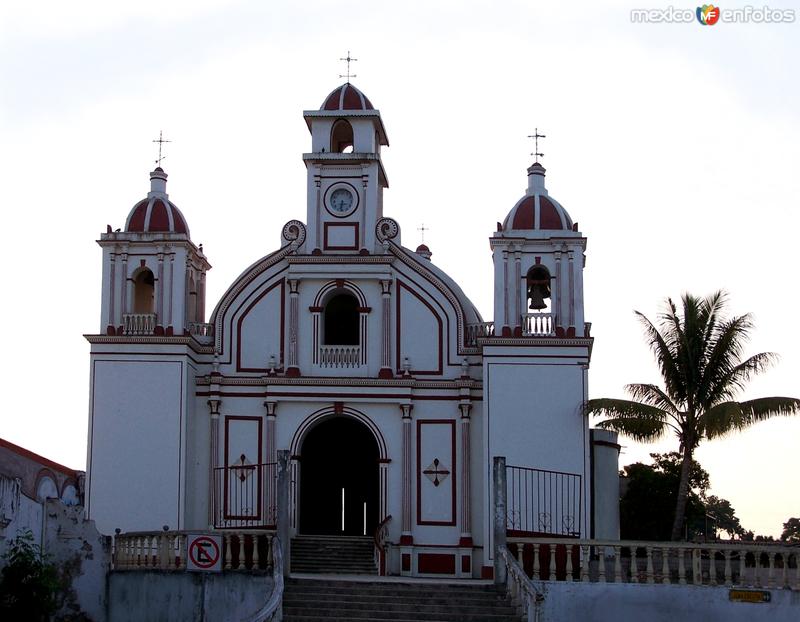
<point x="543" y="502"/>
<point x="739" y="564"/>
<point x="245" y="495"/>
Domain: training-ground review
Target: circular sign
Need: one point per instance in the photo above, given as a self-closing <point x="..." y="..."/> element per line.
<point x="204" y="552"/>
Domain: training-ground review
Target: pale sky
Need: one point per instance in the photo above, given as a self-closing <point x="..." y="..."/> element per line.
<point x="675" y="147"/>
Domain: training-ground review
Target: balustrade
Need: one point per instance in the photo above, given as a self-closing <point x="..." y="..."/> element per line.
<point x="138" y="323"/>
<point x="202" y="331"/>
<point x="539" y="324"/>
<point x="166" y="550"/>
<point x="474" y="332"/>
<point x="340" y="356"/>
<point x="730" y="564"/>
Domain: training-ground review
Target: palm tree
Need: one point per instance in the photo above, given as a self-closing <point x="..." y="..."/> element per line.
<point x="699" y="355"/>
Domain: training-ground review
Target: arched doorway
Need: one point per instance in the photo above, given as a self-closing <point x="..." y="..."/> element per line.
<point x="339" y="489"/>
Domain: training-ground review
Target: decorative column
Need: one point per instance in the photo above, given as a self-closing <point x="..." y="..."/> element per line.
<point x="466" y="505"/>
<point x="272" y="459"/>
<point x="557" y="310"/>
<point x="201" y="297"/>
<point x="112" y="294"/>
<point x="571" y="325"/>
<point x="215" y="486"/>
<point x="292" y="368"/>
<point x="386" y="333"/>
<point x="123" y="305"/>
<point x="172" y="287"/>
<point x="405" y="536"/>
<point x="506" y="330"/>
<point x="517" y="293"/>
<point x="160" y="290"/>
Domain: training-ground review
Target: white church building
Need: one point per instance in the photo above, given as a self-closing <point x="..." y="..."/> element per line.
<point x="358" y="356"/>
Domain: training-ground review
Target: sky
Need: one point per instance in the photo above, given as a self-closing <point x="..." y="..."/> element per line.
<point x="674" y="145"/>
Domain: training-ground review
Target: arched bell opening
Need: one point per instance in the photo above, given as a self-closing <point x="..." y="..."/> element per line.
<point x="341" y="324"/>
<point x="339" y="479"/>
<point x="538" y="282"/>
<point x="342" y="137"/>
<point x="144" y="292"/>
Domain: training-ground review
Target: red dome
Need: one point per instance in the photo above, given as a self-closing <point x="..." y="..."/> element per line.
<point x="156" y="213"/>
<point x="347" y="97"/>
<point x="537" y="210"/>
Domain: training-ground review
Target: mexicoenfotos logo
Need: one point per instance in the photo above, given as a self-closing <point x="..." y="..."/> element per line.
<point x="708" y="14"/>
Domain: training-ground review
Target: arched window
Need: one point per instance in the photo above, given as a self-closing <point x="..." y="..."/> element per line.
<point x="144" y="292"/>
<point x="342" y="137"/>
<point x="538" y="284"/>
<point x="341" y="321"/>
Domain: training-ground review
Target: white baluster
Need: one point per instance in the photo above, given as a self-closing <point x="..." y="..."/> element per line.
<point x="617" y="564"/>
<point x="665" y="565"/>
<point x="728" y="580"/>
<point x="681" y="567"/>
<point x="569" y="563"/>
<point x="649" y="551"/>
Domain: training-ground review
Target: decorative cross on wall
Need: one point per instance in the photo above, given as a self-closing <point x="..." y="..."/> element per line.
<point x="161" y="140"/>
<point x="348" y="59"/>
<point x="436" y="473"/>
<point x="536" y="136"/>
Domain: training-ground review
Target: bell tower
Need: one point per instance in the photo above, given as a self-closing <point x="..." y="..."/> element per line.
<point x="346" y="177"/>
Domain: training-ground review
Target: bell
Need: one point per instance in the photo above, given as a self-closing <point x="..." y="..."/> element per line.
<point x="537" y="292"/>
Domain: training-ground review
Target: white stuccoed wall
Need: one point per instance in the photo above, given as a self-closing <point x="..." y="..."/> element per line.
<point x="597" y="602"/>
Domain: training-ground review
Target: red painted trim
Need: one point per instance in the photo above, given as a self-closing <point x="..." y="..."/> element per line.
<point x="27" y="453"/>
<point x="260" y="421"/>
<point x="453" y="471"/>
<point x="406" y="540"/>
<point x="271" y="393"/>
<point x="282" y="284"/>
<point x="398" y="323"/>
<point x="466" y="563"/>
<point x="349" y="225"/>
<point x="487" y="572"/>
<point x="436" y="563"/>
<point x="385" y="373"/>
<point x="406" y="561"/>
<point x="465" y="541"/>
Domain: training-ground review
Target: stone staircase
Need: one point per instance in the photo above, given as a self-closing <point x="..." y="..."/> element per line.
<point x="395" y="600"/>
<point x="333" y="555"/>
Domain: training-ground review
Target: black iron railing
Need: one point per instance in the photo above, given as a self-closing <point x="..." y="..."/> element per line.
<point x="543" y="502"/>
<point x="245" y="495"/>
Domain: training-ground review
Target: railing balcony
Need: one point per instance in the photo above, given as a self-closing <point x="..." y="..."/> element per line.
<point x="340" y="356"/>
<point x="203" y="332"/>
<point x="245" y="495"/>
<point x="476" y="331"/>
<point x="543" y="502"/>
<point x="539" y="324"/>
<point x="138" y="323"/>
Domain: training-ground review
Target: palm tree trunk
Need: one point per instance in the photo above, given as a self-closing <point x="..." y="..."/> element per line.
<point x="683" y="493"/>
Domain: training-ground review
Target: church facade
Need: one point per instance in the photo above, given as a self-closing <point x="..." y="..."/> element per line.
<point x="361" y="358"/>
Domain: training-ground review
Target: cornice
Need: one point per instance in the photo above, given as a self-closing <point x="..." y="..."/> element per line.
<point x="340" y="259"/>
<point x="333" y="381"/>
<point x="180" y="340"/>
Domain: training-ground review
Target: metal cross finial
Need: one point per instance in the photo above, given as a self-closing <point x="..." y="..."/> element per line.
<point x="161" y="140"/>
<point x="422" y="229"/>
<point x="536" y="136"/>
<point x="348" y="75"/>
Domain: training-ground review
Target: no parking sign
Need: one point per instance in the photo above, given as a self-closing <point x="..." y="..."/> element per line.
<point x="204" y="553"/>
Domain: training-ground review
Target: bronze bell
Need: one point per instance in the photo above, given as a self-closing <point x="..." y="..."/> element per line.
<point x="538" y="290"/>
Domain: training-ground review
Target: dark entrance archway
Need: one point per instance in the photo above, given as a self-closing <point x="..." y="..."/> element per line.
<point x="339" y="488"/>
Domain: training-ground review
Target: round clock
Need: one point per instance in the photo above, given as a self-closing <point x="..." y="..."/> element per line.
<point x="341" y="201"/>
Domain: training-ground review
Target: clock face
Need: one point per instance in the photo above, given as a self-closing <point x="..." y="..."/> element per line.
<point x="341" y="201"/>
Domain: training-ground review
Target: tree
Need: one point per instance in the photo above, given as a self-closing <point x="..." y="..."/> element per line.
<point x="698" y="352"/>
<point x="791" y="530"/>
<point x="28" y="582"/>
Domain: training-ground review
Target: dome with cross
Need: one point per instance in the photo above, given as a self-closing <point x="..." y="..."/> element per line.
<point x="537" y="210"/>
<point x="156" y="213"/>
<point x="346" y="97"/>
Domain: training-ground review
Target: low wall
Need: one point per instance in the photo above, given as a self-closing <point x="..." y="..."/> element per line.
<point x="160" y="596"/>
<point x="609" y="602"/>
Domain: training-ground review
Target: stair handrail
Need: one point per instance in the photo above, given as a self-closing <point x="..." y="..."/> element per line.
<point x="272" y="609"/>
<point x="521" y="588"/>
<point x="379" y="542"/>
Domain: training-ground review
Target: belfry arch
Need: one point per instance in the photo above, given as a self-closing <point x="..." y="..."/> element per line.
<point x="339" y="474"/>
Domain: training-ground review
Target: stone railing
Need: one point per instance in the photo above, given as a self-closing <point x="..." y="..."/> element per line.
<point x="166" y="550"/>
<point x="379" y="540"/>
<point x="738" y="564"/>
<point x="203" y="332"/>
<point x="475" y="331"/>
<point x="340" y="356"/>
<point x="138" y="323"/>
<point x="539" y="324"/>
<point x="519" y="587"/>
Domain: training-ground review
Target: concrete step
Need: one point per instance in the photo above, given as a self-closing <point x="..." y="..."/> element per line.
<point x="333" y="555"/>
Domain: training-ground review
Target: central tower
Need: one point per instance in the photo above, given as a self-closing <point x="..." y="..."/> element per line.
<point x="345" y="175"/>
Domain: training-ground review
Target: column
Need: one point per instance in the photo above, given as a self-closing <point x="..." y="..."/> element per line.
<point x="112" y="295"/>
<point x="386" y="333"/>
<point x="506" y="330"/>
<point x="201" y="297"/>
<point x="160" y="290"/>
<point x="516" y="292"/>
<point x="270" y="474"/>
<point x="466" y="505"/>
<point x="571" y="326"/>
<point x="292" y="368"/>
<point x="215" y="478"/>
<point x="405" y="536"/>
<point x="172" y="287"/>
<point x="123" y="305"/>
<point x="556" y="307"/>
